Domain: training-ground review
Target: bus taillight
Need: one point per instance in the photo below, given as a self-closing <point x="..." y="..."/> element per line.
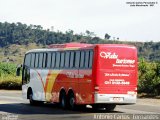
<point x="96" y="88"/>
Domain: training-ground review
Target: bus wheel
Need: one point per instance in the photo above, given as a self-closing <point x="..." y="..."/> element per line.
<point x="63" y="100"/>
<point x="71" y="101"/>
<point x="31" y="101"/>
<point x="110" y="107"/>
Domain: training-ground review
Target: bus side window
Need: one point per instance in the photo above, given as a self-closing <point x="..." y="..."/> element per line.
<point x="49" y="60"/>
<point x="58" y="59"/>
<point x="72" y="54"/>
<point x="67" y="56"/>
<point x="62" y="60"/>
<point x="82" y="59"/>
<point x="90" y="59"/>
<point x="77" y="59"/>
<point x="86" y="59"/>
<point x="44" y="60"/>
<point x="36" y="60"/>
<point x="32" y="60"/>
<point x="40" y="60"/>
<point x="53" y="60"/>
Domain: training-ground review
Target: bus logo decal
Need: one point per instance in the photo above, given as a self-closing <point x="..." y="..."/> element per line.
<point x="108" y="55"/>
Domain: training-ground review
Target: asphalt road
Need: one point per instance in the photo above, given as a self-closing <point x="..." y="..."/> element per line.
<point x="13" y="107"/>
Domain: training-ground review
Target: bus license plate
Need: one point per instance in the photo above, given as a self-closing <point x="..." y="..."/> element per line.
<point x="116" y="99"/>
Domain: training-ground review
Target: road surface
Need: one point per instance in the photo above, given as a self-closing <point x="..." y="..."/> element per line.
<point x="13" y="107"/>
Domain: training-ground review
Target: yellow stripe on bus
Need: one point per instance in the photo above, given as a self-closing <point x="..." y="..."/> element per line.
<point x="52" y="75"/>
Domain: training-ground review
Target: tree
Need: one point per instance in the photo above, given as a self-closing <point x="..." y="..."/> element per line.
<point x="90" y="34"/>
<point x="107" y="36"/>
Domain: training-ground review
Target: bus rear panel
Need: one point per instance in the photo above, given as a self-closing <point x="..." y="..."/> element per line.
<point x="115" y="74"/>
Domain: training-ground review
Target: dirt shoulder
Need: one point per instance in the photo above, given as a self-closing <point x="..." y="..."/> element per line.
<point x="148" y="101"/>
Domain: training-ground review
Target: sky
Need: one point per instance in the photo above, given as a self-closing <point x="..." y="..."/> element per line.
<point x="114" y="17"/>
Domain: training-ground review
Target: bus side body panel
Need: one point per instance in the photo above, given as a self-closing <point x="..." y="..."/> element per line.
<point x="78" y="81"/>
<point x="47" y="84"/>
<point x="37" y="83"/>
<point x="85" y="87"/>
<point x="65" y="80"/>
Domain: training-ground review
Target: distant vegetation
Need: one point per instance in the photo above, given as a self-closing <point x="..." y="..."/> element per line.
<point x="22" y="34"/>
<point x="17" y="38"/>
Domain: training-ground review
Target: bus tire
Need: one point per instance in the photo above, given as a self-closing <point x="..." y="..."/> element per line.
<point x="63" y="100"/>
<point x="106" y="107"/>
<point x="31" y="101"/>
<point x="71" y="101"/>
<point x="81" y="107"/>
<point x="110" y="107"/>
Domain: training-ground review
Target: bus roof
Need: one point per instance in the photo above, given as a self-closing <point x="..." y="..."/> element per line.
<point x="41" y="50"/>
<point x="71" y="46"/>
<point x="115" y="45"/>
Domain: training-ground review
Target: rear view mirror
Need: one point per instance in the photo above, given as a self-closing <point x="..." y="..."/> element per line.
<point x="18" y="70"/>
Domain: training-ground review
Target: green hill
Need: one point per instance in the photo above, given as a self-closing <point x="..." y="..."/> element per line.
<point x="17" y="38"/>
<point x="15" y="53"/>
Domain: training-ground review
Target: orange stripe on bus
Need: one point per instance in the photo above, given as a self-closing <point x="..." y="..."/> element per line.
<point x="47" y="80"/>
<point x="51" y="80"/>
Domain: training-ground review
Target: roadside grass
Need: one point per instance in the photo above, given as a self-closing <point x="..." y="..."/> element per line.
<point x="8" y="79"/>
<point x="10" y="82"/>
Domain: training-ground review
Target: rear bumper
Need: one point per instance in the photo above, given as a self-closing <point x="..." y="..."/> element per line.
<point x="115" y="98"/>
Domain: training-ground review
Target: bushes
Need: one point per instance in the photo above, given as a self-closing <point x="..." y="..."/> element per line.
<point x="149" y="77"/>
<point x="11" y="84"/>
<point x="7" y="69"/>
<point x="8" y="79"/>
